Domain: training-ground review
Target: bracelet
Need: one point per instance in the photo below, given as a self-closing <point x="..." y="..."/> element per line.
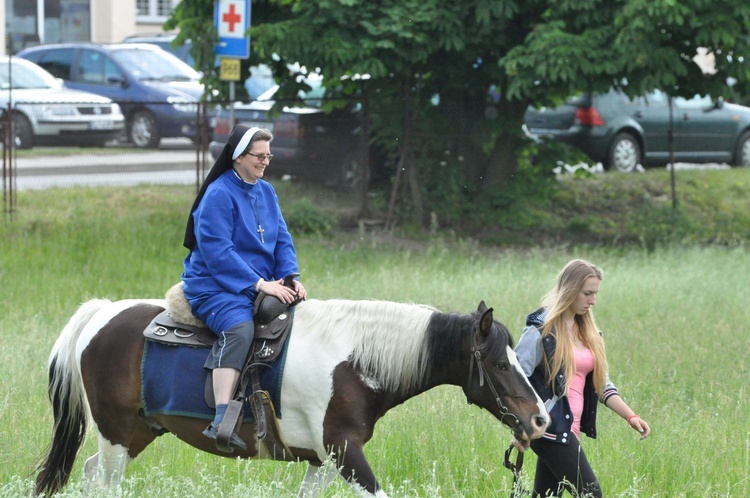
<point x="631" y="417"/>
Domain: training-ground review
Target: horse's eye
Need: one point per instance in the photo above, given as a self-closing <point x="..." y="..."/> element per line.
<point x="501" y="366"/>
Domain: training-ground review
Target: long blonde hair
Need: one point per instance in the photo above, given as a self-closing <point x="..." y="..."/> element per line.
<point x="569" y="283"/>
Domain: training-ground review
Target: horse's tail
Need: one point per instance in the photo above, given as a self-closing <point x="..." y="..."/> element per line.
<point x="69" y="405"/>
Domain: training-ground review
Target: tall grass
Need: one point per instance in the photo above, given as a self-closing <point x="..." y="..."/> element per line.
<point x="675" y="321"/>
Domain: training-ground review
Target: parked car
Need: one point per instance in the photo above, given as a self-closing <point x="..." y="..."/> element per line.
<point x="623" y="133"/>
<point x="308" y="143"/>
<point x="44" y="112"/>
<point x="260" y="79"/>
<point x="158" y="93"/>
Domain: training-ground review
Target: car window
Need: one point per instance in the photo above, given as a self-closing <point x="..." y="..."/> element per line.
<point x="95" y="67"/>
<point x="20" y="76"/>
<point x="154" y="65"/>
<point x="312" y="98"/>
<point x="697" y="102"/>
<point x="182" y="52"/>
<point x="57" y="62"/>
<point x="578" y="99"/>
<point x="656" y="97"/>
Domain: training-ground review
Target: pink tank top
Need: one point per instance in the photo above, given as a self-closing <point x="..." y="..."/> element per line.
<point x="584" y="360"/>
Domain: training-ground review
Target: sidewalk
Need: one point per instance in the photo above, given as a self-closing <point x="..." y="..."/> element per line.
<point x="129" y="162"/>
<point x="109" y="169"/>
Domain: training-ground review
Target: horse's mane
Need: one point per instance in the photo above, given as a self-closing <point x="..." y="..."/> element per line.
<point x="389" y="338"/>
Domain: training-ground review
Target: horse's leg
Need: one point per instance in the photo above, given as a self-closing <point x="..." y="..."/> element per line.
<point x="317" y="479"/>
<point x="358" y="474"/>
<point x="348" y="424"/>
<point x="106" y="468"/>
<point x="101" y="472"/>
<point x="90" y="469"/>
<point x="110" y="369"/>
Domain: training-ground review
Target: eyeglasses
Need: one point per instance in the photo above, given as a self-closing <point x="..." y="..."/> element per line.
<point x="261" y="157"/>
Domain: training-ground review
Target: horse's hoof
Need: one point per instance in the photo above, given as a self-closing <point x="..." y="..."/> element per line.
<point x="234" y="441"/>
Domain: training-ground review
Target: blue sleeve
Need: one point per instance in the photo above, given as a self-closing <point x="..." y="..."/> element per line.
<point x="215" y="221"/>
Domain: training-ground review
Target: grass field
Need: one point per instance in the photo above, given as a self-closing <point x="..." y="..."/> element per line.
<point x="674" y="320"/>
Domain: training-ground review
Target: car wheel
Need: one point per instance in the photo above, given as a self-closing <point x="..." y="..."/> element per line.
<point x="24" y="135"/>
<point x="624" y="154"/>
<point x="143" y="132"/>
<point x="350" y="173"/>
<point x="742" y="153"/>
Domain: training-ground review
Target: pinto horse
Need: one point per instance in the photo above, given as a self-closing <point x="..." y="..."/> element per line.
<point x="347" y="364"/>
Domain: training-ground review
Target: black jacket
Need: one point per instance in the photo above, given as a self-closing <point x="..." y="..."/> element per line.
<point x="531" y="349"/>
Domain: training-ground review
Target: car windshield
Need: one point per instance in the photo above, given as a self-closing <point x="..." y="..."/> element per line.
<point x="312" y="98"/>
<point x="22" y="76"/>
<point x="155" y="65"/>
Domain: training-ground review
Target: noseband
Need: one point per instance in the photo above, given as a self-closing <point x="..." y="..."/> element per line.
<point x="476" y="357"/>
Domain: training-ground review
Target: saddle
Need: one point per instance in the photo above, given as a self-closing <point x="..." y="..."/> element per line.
<point x="273" y="320"/>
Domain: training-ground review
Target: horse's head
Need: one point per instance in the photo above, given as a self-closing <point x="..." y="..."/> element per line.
<point x="497" y="381"/>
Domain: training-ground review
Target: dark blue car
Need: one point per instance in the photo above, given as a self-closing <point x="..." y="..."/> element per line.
<point x="157" y="92"/>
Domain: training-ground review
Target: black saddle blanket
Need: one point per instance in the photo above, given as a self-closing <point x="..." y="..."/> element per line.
<point x="173" y="381"/>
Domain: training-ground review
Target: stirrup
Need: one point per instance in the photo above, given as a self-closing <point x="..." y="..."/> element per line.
<point x="211" y="432"/>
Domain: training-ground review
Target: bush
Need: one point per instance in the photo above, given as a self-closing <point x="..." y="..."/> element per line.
<point x="304" y="218"/>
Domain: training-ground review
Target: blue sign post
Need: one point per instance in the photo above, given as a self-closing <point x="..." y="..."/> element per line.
<point x="232" y="20"/>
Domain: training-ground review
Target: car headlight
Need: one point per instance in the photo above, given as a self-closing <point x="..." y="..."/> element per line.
<point x="182" y="104"/>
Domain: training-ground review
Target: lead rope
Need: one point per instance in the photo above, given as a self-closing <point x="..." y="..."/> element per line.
<point x="516" y="491"/>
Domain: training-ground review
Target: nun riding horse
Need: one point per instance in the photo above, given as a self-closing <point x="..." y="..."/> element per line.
<point x="346" y="364"/>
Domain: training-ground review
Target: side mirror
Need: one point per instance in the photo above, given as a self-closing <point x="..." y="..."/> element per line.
<point x="718" y="103"/>
<point x="115" y="80"/>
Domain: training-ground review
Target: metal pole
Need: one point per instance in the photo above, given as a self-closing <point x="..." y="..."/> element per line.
<point x="670" y="138"/>
<point x="9" y="184"/>
<point x="231" y="106"/>
<point x="6" y="131"/>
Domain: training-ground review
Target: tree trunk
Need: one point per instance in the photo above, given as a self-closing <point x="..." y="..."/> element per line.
<point x="503" y="160"/>
<point x="406" y="163"/>
<point x="467" y="116"/>
<point x="364" y="155"/>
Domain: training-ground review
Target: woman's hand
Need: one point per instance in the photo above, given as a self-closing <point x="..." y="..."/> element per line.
<point x="640" y="425"/>
<point x="301" y="291"/>
<point x="519" y="445"/>
<point x="285" y="294"/>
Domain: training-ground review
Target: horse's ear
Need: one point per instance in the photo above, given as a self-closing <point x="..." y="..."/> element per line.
<point x="482" y="307"/>
<point x="485" y="323"/>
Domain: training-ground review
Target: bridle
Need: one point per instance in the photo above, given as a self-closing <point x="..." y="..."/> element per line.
<point x="476" y="357"/>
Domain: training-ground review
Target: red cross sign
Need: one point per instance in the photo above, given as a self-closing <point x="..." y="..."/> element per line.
<point x="232" y="20"/>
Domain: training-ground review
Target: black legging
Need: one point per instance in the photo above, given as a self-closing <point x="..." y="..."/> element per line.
<point x="563" y="466"/>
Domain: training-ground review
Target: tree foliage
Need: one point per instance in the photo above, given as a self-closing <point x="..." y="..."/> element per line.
<point x="453" y="79"/>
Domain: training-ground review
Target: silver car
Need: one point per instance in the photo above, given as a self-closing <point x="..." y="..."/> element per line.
<point x="44" y="112"/>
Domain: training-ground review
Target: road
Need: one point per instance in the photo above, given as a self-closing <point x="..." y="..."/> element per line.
<point x="171" y="164"/>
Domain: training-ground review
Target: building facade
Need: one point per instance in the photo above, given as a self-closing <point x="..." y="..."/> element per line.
<point x="32" y="22"/>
